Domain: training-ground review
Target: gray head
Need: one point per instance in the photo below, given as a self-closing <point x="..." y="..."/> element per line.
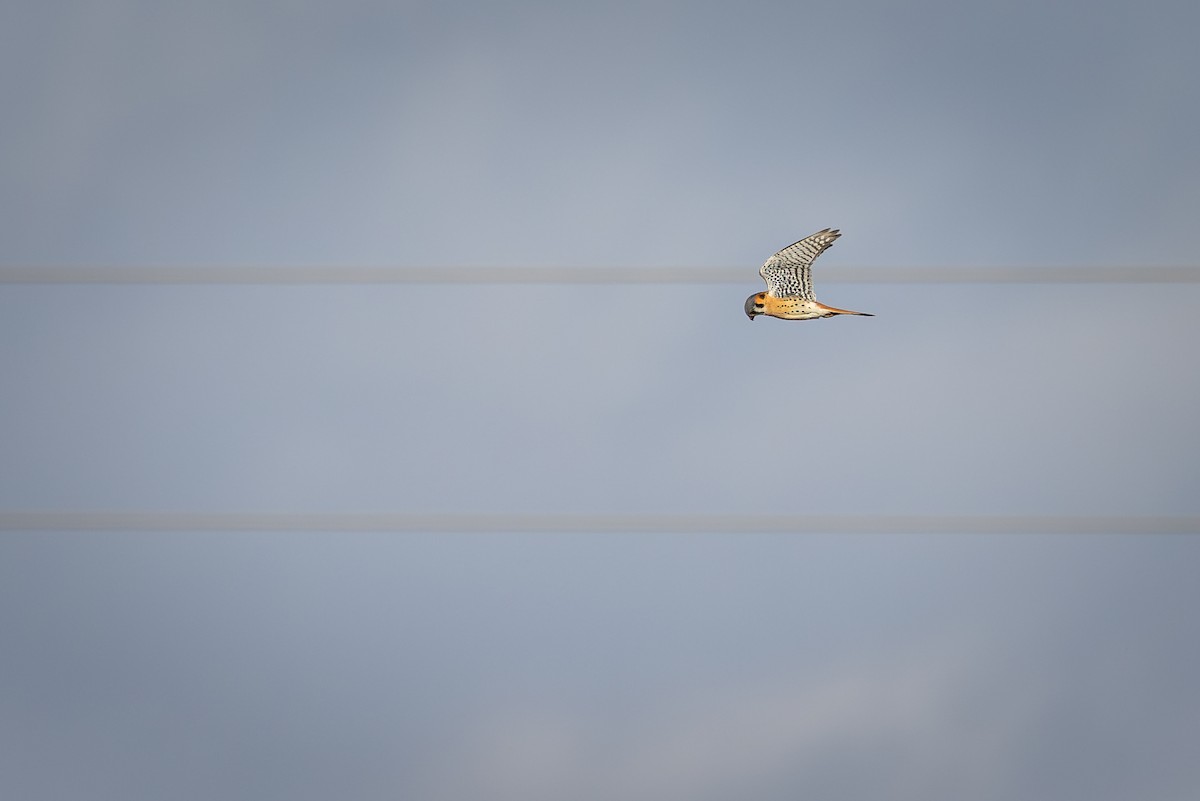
<point x="754" y="305"/>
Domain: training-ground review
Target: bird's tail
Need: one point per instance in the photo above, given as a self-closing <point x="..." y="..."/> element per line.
<point x="830" y="311"/>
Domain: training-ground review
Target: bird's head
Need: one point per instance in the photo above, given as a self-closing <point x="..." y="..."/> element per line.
<point x="755" y="305"/>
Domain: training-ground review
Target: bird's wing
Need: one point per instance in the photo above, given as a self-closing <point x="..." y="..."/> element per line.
<point x="789" y="272"/>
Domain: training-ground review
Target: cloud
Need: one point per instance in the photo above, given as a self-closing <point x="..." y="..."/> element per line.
<point x="908" y="725"/>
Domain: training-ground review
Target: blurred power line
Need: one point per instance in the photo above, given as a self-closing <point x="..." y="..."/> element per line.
<point x="611" y="523"/>
<point x="585" y="275"/>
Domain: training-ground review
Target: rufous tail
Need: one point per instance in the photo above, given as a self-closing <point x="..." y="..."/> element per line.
<point x="832" y="310"/>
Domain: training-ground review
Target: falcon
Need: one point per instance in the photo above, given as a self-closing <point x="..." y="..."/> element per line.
<point x="788" y="274"/>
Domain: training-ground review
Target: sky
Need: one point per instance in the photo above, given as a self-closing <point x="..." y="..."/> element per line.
<point x="640" y="665"/>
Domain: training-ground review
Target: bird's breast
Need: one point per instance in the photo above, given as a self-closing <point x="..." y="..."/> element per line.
<point x="791" y="308"/>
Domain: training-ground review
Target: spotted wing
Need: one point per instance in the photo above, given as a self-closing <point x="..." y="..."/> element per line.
<point x="789" y="272"/>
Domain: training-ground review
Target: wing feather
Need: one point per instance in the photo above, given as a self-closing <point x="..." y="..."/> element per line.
<point x="789" y="272"/>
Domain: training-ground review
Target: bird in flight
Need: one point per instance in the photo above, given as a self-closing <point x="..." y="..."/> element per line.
<point x="788" y="274"/>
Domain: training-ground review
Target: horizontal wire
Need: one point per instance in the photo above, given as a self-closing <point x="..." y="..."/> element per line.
<point x="595" y="523"/>
<point x="50" y="274"/>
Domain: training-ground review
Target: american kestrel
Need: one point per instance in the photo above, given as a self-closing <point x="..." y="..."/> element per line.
<point x="788" y="274"/>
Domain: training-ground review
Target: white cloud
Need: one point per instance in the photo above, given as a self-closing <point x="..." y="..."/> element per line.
<point x="901" y="726"/>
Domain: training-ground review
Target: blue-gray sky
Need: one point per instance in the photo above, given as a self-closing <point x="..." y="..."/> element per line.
<point x="357" y="133"/>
